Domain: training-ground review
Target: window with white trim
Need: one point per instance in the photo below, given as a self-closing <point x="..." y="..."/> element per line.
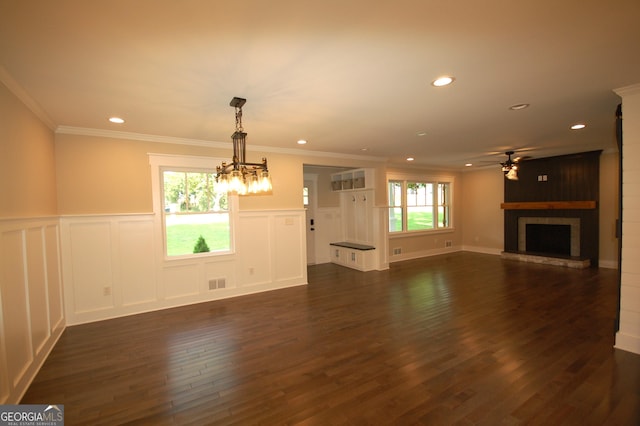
<point x="192" y="219"/>
<point x="419" y="205"/>
<point x="196" y="218"/>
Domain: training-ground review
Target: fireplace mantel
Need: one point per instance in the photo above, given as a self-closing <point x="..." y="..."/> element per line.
<point x="549" y="205"/>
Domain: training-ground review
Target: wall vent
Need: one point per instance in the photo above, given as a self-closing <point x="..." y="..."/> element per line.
<point x="216" y="283"/>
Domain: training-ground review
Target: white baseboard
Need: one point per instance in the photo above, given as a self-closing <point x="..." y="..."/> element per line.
<point x="484" y="250"/>
<point x="609" y="264"/>
<point x="627" y="342"/>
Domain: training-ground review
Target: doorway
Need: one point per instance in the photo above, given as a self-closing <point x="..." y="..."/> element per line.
<point x="309" y="201"/>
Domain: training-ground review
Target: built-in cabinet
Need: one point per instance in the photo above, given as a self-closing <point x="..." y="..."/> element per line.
<point x="357" y="247"/>
<point x="360" y="258"/>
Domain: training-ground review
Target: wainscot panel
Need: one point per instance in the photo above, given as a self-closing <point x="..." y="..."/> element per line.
<point x="253" y="248"/>
<point x="31" y="318"/>
<point x="290" y="242"/>
<point x="137" y="271"/>
<point x="36" y="275"/>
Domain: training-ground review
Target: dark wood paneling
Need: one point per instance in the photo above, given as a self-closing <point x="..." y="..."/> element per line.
<point x="574" y="177"/>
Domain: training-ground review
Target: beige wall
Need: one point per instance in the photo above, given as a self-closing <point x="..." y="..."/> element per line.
<point x="103" y="175"/>
<point x="483" y="219"/>
<point x="609" y="182"/>
<point x="27" y="165"/>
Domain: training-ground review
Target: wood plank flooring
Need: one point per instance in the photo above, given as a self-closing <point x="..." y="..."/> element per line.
<point x="462" y="338"/>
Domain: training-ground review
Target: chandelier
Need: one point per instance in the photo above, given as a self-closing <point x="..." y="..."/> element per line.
<point x="510" y="167"/>
<point x="240" y="177"/>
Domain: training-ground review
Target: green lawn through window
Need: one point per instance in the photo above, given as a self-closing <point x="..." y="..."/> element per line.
<point x="416" y="221"/>
<point x="181" y="238"/>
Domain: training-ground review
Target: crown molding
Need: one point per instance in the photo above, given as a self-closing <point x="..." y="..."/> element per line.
<point x="114" y="134"/>
<point x="143" y="137"/>
<point x="633" y="89"/>
<point x="20" y="93"/>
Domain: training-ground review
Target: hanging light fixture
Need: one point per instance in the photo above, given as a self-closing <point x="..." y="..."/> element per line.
<point x="240" y="177"/>
<point x="510" y="167"/>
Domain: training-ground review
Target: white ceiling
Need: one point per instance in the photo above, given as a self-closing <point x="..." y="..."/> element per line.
<point x="345" y="75"/>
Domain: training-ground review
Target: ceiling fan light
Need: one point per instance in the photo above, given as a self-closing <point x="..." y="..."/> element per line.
<point x="512" y="174"/>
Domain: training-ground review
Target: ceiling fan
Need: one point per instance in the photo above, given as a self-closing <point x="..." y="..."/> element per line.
<point x="510" y="167"/>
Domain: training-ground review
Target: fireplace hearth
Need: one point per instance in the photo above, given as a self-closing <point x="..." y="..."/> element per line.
<point x="549" y="240"/>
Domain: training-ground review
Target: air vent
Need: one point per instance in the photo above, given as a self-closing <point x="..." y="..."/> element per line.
<point x="216" y="283"/>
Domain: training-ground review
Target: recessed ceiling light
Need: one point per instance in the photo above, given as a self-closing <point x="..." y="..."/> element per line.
<point x="443" y="81"/>
<point x="364" y="149"/>
<point x="468" y="165"/>
<point x="578" y="126"/>
<point x="518" y="107"/>
<point x="116" y="120"/>
<point x="410" y="159"/>
<point x="422" y="133"/>
<point x="302" y="142"/>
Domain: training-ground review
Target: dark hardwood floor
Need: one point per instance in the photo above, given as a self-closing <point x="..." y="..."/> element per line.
<point x="462" y="338"/>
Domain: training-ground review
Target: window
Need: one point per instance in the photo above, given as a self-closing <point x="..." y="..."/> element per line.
<point x="305" y="196"/>
<point x="418" y="206"/>
<point x="196" y="218"/>
<point x="396" y="218"/>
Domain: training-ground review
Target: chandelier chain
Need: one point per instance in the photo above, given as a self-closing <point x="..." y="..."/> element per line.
<point x="239" y="119"/>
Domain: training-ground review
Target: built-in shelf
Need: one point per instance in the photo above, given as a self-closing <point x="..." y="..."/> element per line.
<point x="352" y="180"/>
<point x="354" y="246"/>
<point x="549" y="205"/>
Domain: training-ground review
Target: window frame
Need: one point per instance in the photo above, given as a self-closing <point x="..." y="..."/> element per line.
<point x="435" y="181"/>
<point x="189" y="164"/>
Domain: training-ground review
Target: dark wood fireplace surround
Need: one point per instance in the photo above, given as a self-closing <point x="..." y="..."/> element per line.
<point x="555" y="187"/>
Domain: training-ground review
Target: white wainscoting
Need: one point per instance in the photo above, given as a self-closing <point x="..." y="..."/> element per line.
<point x="328" y="225"/>
<point x="113" y="264"/>
<point x="32" y="314"/>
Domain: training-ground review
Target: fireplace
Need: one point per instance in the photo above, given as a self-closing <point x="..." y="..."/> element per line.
<point x="549" y="236"/>
<point x="548" y="239"/>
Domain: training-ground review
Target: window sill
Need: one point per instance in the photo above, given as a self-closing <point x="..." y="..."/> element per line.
<point x="219" y="256"/>
<point x="425" y="233"/>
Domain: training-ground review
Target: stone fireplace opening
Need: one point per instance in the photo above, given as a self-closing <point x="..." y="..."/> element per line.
<point x="559" y="236"/>
<point x="548" y="239"/>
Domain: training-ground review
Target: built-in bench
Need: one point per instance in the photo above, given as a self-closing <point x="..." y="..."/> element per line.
<point x="354" y="246"/>
<point x="353" y="255"/>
